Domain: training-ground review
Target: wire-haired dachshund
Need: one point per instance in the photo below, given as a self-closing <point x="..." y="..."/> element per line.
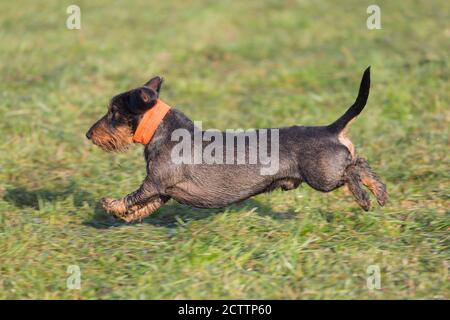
<point x="322" y="156"/>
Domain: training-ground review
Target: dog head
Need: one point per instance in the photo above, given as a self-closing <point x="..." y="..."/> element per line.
<point x="115" y="130"/>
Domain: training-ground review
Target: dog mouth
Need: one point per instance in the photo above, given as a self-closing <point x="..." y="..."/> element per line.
<point x="109" y="146"/>
<point x="112" y="145"/>
<point x="111" y="140"/>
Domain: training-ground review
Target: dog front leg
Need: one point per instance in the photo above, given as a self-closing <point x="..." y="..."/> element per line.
<point x="131" y="202"/>
<point x="144" y="210"/>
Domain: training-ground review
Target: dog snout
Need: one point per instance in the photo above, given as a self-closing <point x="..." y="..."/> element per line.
<point x="89" y="134"/>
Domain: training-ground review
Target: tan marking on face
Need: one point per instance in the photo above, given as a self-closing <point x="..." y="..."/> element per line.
<point x="118" y="138"/>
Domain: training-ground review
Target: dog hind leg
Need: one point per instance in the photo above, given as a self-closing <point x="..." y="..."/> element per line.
<point x="355" y="186"/>
<point x="371" y="180"/>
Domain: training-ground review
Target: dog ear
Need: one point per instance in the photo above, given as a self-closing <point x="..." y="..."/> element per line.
<point x="155" y="83"/>
<point x="142" y="99"/>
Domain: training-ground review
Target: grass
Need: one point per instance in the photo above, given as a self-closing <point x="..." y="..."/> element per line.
<point x="231" y="65"/>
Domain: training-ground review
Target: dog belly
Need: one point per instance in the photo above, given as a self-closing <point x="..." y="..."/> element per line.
<point x="212" y="188"/>
<point x="214" y="192"/>
<point x="212" y="197"/>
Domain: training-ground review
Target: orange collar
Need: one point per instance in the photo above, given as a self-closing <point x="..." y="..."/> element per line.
<point x="150" y="122"/>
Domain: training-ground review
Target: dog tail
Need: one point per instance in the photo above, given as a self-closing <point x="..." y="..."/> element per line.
<point x="356" y="108"/>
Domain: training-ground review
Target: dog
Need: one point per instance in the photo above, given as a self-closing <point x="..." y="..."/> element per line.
<point x="321" y="156"/>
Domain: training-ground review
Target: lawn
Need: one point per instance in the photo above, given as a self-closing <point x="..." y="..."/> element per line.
<point x="240" y="64"/>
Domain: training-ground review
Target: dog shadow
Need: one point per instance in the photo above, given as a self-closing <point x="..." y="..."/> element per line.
<point x="173" y="214"/>
<point x="170" y="215"/>
<point x="22" y="197"/>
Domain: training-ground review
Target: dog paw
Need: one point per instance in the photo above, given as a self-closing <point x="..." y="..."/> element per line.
<point x="114" y="207"/>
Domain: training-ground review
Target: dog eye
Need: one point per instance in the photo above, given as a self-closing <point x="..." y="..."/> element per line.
<point x="114" y="115"/>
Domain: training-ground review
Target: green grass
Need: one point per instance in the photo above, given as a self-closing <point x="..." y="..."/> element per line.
<point x="231" y="65"/>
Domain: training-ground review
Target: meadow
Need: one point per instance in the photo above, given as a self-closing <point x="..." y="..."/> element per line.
<point x="230" y="64"/>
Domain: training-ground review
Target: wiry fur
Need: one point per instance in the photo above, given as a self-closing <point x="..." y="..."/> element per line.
<point x="111" y="138"/>
<point x="322" y="156"/>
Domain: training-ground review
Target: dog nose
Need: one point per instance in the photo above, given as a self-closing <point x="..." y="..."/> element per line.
<point x="89" y="134"/>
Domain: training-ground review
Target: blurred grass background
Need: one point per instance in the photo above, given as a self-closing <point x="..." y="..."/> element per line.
<point x="232" y="65"/>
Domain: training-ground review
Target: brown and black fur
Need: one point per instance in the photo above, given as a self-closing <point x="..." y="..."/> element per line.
<point x="321" y="156"/>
